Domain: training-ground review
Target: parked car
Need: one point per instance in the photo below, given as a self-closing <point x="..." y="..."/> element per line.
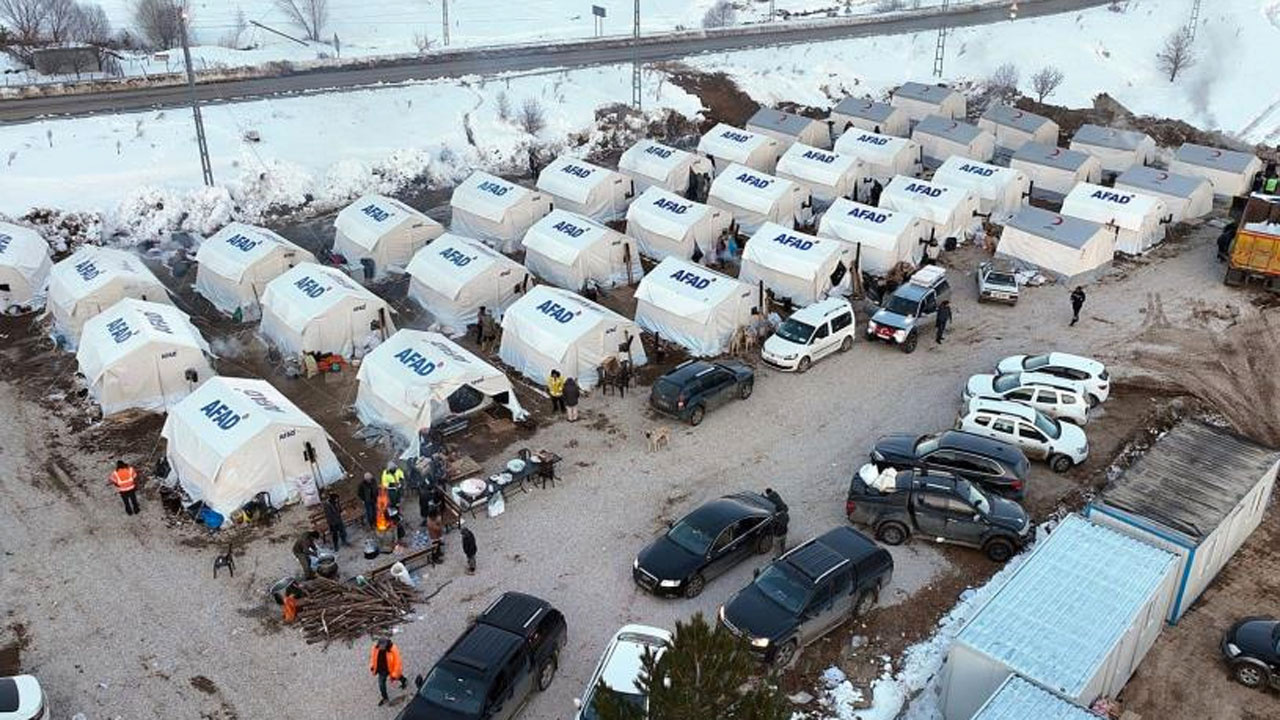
<point x="21" y="698"/>
<point x="997" y="283"/>
<point x="994" y="465"/>
<point x="937" y="506"/>
<point x="620" y="668"/>
<point x="1053" y="396"/>
<point x="1039" y="436"/>
<point x="808" y="592"/>
<point x="810" y="334"/>
<point x="693" y="387"/>
<point x="911" y="308"/>
<point x="1088" y="372"/>
<point x="1252" y="649"/>
<point x="491" y="671"/>
<point x="706" y="543"/>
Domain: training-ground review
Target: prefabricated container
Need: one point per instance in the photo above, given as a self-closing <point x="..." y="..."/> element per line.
<point x="1054" y="171"/>
<point x="25" y="263"/>
<point x="1001" y="191"/>
<point x="788" y="128"/>
<point x="651" y="164"/>
<point x="826" y="174"/>
<point x="919" y="100"/>
<point x="798" y="268"/>
<point x="588" y="190"/>
<point x="666" y="225"/>
<point x="1186" y="196"/>
<point x="317" y="308"/>
<point x="454" y="276"/>
<point x="1014" y="128"/>
<point x="1137" y="218"/>
<point x="235" y="264"/>
<point x="883" y="155"/>
<point x="881" y="238"/>
<point x="725" y="145"/>
<point x="1231" y="173"/>
<point x="93" y="279"/>
<point x="491" y="209"/>
<point x="755" y="198"/>
<point x="1017" y="699"/>
<point x="692" y="306"/>
<point x="940" y="138"/>
<point x="866" y="114"/>
<point x="382" y="232"/>
<point x="1117" y="150"/>
<point x="1061" y="247"/>
<point x="948" y="211"/>
<point x="570" y="251"/>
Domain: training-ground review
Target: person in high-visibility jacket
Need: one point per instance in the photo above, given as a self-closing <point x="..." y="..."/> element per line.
<point x="125" y="478"/>
<point x="384" y="662"/>
<point x="393" y="482"/>
<point x="555" y="388"/>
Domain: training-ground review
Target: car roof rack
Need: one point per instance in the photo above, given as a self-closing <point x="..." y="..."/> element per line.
<point x="928" y="276"/>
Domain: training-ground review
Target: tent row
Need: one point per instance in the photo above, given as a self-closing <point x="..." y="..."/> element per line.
<point x="25" y="263"/>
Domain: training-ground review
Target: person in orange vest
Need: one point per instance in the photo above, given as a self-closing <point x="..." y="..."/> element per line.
<point x="125" y="478"/>
<point x="384" y="661"/>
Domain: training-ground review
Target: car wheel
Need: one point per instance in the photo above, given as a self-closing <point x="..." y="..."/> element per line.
<point x="869" y="337"/>
<point x="745" y="390"/>
<point x="804" y="364"/>
<point x="1249" y="675"/>
<point x="892" y="533"/>
<point x="696" y="415"/>
<point x="1093" y="401"/>
<point x="1060" y="463"/>
<point x="547" y="672"/>
<point x="847" y="344"/>
<point x="786" y="654"/>
<point x="765" y="542"/>
<point x="909" y="345"/>
<point x="998" y="550"/>
<point x="864" y="603"/>
<point x="694" y="587"/>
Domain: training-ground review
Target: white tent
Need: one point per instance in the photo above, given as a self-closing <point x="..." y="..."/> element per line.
<point x="1230" y="172"/>
<point x="940" y="138"/>
<point x="236" y="263"/>
<point x="788" y="128"/>
<point x="1187" y="196"/>
<point x="1059" y="246"/>
<point x="410" y="382"/>
<point x="665" y="225"/>
<point x="882" y="238"/>
<point x="865" y="114"/>
<point x="588" y="190"/>
<point x="1138" y="218"/>
<point x="1014" y="128"/>
<point x="235" y="437"/>
<point x="93" y="279"/>
<point x="919" y="100"/>
<point x="692" y="306"/>
<point x="553" y="329"/>
<point x="569" y="250"/>
<point x="1053" y="171"/>
<point x="315" y="308"/>
<point x="493" y="210"/>
<point x="649" y="163"/>
<point x="803" y="268"/>
<point x="1117" y="150"/>
<point x="382" y="230"/>
<point x="454" y="276"/>
<point x="140" y="354"/>
<point x="949" y="211"/>
<point x="725" y="145"/>
<point x="827" y="175"/>
<point x="883" y="155"/>
<point x="1000" y="190"/>
<point x="755" y="198"/>
<point x="24" y="266"/>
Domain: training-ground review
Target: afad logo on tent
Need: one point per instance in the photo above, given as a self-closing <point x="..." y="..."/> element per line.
<point x="1112" y="197"/>
<point x="310" y="287"/>
<point x="225" y="417"/>
<point x="243" y="243"/>
<point x="417" y="362"/>
<point x="692" y="279"/>
<point x="557" y="312"/>
<point x="794" y="241"/>
<point x="456" y="257"/>
<point x="4" y="243"/>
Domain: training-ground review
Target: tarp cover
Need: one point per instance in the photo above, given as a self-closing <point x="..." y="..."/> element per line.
<point x="235" y="264"/>
<point x="825" y="173"/>
<point x="491" y="209"/>
<point x="1187" y="196"/>
<point x="568" y="250"/>
<point x="589" y="190"/>
<point x="692" y="306"/>
<point x="24" y="266"/>
<point x="651" y="163"/>
<point x="1063" y="247"/>
<point x="454" y="276"/>
<point x="664" y="224"/>
<point x="316" y="308"/>
<point x="794" y="265"/>
<point x="93" y="279"/>
<point x="1000" y="190"/>
<point x="755" y="198"/>
<point x="949" y="209"/>
<point x="384" y="230"/>
<point x="726" y="144"/>
<point x="1138" y="216"/>
<point x="887" y="237"/>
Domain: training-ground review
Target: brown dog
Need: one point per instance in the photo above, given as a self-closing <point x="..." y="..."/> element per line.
<point x="659" y="438"/>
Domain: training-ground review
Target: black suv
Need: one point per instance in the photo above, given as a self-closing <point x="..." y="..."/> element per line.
<point x="996" y="466"/>
<point x="490" y="672"/>
<point x="1252" y="649"/>
<point x="808" y="592"/>
<point x="696" y="386"/>
<point x="938" y="506"/>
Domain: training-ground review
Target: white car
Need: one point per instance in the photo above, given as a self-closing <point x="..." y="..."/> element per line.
<point x="1060" y="444"/>
<point x="1053" y="396"/>
<point x="810" y="334"/>
<point x="620" y="668"/>
<point x="1090" y="373"/>
<point x="22" y="699"/>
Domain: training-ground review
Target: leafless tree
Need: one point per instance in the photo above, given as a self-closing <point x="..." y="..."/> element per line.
<point x="309" y="16"/>
<point x="1176" y="55"/>
<point x="1045" y="81"/>
<point x="532" y="117"/>
<point x="721" y="14"/>
<point x="1002" y="84"/>
<point x="24" y="18"/>
<point x="160" y="21"/>
<point x="422" y="41"/>
<point x="59" y="19"/>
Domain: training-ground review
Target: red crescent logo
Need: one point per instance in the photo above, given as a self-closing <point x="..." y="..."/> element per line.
<point x="1216" y="153"/>
<point x="1057" y="220"/>
<point x="868" y="105"/>
<point x="1017" y="113"/>
<point x="1163" y="175"/>
<point x="1056" y="152"/>
<point x="954" y="125"/>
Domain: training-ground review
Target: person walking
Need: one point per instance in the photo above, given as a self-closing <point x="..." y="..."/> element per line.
<point x="1077" y="302"/>
<point x="572" y="394"/>
<point x="333" y="516"/>
<point x="469" y="549"/>
<point x="304" y="548"/>
<point x="367" y="491"/>
<point x="944" y="319"/>
<point x="384" y="662"/>
<point x="555" y="388"/>
<point x="125" y="478"/>
<point x="781" y="521"/>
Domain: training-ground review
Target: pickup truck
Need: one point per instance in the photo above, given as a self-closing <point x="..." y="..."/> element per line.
<point x="1255" y="252"/>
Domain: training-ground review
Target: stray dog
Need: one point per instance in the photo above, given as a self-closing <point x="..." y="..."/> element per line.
<point x="659" y="438"/>
<point x="227" y="561"/>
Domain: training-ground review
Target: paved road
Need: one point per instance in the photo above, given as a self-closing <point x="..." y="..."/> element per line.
<point x="523" y="59"/>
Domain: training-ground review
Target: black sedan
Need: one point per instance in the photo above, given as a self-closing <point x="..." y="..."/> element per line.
<point x="706" y="543"/>
<point x="994" y="465"/>
<point x="1252" y="648"/>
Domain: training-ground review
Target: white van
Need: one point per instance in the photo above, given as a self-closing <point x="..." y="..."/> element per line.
<point x="810" y="334"/>
<point x="1061" y="444"/>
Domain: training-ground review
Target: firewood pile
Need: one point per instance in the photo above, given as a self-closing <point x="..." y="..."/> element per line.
<point x="330" y="610"/>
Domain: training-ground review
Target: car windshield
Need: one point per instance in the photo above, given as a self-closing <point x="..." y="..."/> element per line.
<point x="1048" y="425"/>
<point x="457" y="689"/>
<point x="1035" y="362"/>
<point x="1005" y="383"/>
<point x="603" y="693"/>
<point x="899" y="305"/>
<point x="795" y="331"/>
<point x="781" y="587"/>
<point x="691" y="537"/>
<point x="926" y="445"/>
<point x="999" y="278"/>
<point x="975" y="497"/>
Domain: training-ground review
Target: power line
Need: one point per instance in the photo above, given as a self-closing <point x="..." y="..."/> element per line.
<point x="206" y="166"/>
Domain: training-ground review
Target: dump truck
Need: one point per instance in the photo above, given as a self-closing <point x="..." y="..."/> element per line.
<point x="1255" y="251"/>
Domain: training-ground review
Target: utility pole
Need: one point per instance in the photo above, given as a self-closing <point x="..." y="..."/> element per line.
<point x="205" y="166"/>
<point x="444" y="20"/>
<point x="635" y="60"/>
<point x="941" y="50"/>
<point x="1195" y="19"/>
<point x="770" y="10"/>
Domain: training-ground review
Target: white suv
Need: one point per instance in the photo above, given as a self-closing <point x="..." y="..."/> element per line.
<point x="1062" y="445"/>
<point x="21" y="698"/>
<point x="1088" y="372"/>
<point x="1053" y="396"/>
<point x="810" y="334"/>
<point x="620" y="668"/>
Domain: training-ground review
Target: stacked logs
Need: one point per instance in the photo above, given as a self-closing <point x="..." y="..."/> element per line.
<point x="331" y="610"/>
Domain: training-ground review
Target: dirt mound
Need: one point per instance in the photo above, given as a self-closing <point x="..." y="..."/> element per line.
<point x="720" y="95"/>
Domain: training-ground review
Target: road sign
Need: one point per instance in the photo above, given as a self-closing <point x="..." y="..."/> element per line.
<point x="597" y="11"/>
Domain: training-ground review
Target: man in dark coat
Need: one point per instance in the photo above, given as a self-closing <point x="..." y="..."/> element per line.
<point x="572" y="394"/>
<point x="469" y="548"/>
<point x="333" y="516"/>
<point x="304" y="548"/>
<point x="944" y="319"/>
<point x="1077" y="302"/>
<point x="781" y="520"/>
<point x="368" y="494"/>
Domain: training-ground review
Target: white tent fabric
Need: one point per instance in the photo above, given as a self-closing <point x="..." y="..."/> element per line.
<point x="726" y="145"/>
<point x="788" y="128"/>
<point x="553" y="329"/>
<point x="1014" y="128"/>
<point x="794" y="265"/>
<point x="866" y="114"/>
<point x="941" y="138"/>
<point x="883" y="155"/>
<point x="236" y="437"/>
<point x="948" y="210"/>
<point x="1060" y="246"/>
<point x="1117" y="150"/>
<point x="315" y="308"/>
<point x="235" y="264"/>
<point x="454" y="276"/>
<point x="755" y="198"/>
<point x="649" y="163"/>
<point x="1138" y="218"/>
<point x="405" y="384"/>
<point x="826" y="174"/>
<point x="882" y="238"/>
<point x="1187" y="196"/>
<point x="93" y="279"/>
<point x="1230" y="172"/>
<point x="493" y="210"/>
<point x="1054" y="171"/>
<point x="919" y="100"/>
<point x="136" y="354"/>
<point x="24" y="266"/>
<point x="697" y="308"/>
<point x="667" y="225"/>
<point x="569" y="250"/>
<point x="383" y="230"/>
<point x="1000" y="190"/>
<point x="588" y="190"/>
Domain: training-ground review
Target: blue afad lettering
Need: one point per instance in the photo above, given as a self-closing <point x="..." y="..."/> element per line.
<point x="793" y="241"/>
<point x="1111" y="197"/>
<point x="658" y="150"/>
<point x="262" y="401"/>
<point x="872" y="139"/>
<point x="4" y="243"/>
<point x="819" y="156"/>
<point x="87" y="270"/>
<point x="734" y="136"/>
<point x="494" y="188"/>
<point x="455" y="257"/>
<point x="375" y="212"/>
<point x="868" y="215"/>
<point x="562" y="315"/>
<point x="691" y="279"/>
<point x="310" y="288"/>
<point x="977" y="170"/>
<point x="752" y="180"/>
<point x="157" y="321"/>
<point x="119" y="330"/>
<point x="576" y="171"/>
<point x="416" y="362"/>
<point x="921" y="189"/>
<point x="221" y="415"/>
<point x="569" y="228"/>
<point x="671" y="206"/>
<point x="245" y="244"/>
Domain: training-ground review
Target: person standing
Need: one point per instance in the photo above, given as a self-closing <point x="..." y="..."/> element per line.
<point x="1077" y="302"/>
<point x="384" y="662"/>
<point x="368" y="494"/>
<point x="435" y="533"/>
<point x="304" y="548"/>
<point x="780" y="522"/>
<point x="572" y="394"/>
<point x="944" y="319"/>
<point x="480" y="314"/>
<point x="469" y="549"/>
<point x="393" y="482"/>
<point x="125" y="478"/>
<point x="555" y="388"/>
<point x="333" y="516"/>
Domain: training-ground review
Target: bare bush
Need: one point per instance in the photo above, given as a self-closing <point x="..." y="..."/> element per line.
<point x="1002" y="84"/>
<point x="422" y="42"/>
<point x="532" y="117"/>
<point x="309" y="16"/>
<point x="160" y="21"/>
<point x="504" y="105"/>
<point x="721" y="14"/>
<point x="1045" y="81"/>
<point x="1176" y="55"/>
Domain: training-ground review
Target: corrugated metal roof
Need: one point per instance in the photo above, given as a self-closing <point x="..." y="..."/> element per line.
<point x="1068" y="605"/>
<point x="1107" y="137"/>
<point x="1218" y="159"/>
<point x="1051" y="156"/>
<point x="779" y="121"/>
<point x="1002" y="114"/>
<point x="1066" y="230"/>
<point x="1191" y="478"/>
<point x="1018" y="699"/>
<point x="925" y="93"/>
<point x="863" y="108"/>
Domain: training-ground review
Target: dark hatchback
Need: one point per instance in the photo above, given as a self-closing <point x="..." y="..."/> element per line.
<point x="994" y="465"/>
<point x="1252" y="649"/>
<point x="705" y="543"/>
<point x="696" y="386"/>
